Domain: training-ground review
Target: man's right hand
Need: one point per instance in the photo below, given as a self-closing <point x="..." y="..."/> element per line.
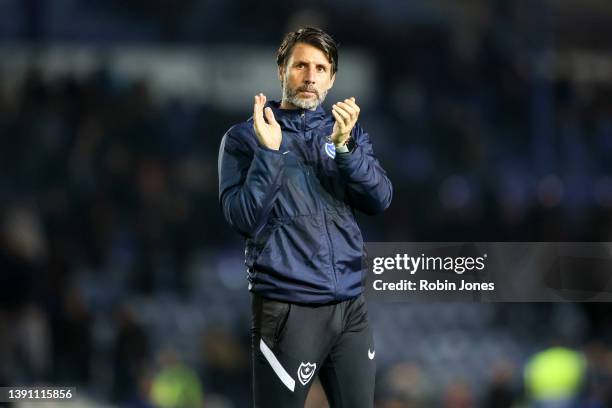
<point x="268" y="131"/>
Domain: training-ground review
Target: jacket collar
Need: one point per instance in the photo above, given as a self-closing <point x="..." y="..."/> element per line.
<point x="298" y="119"/>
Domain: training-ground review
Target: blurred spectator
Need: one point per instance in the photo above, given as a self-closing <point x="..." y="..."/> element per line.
<point x="175" y="385"/>
<point x="72" y="339"/>
<point x="33" y="336"/>
<point x="406" y="385"/>
<point x="501" y="392"/>
<point x="554" y="378"/>
<point x="226" y="365"/>
<point x="598" y="388"/>
<point x="458" y="395"/>
<point x="131" y="355"/>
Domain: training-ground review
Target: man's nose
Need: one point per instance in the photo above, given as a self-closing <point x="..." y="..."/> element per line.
<point x="310" y="76"/>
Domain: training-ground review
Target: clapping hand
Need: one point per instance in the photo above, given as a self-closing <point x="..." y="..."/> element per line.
<point x="268" y="130"/>
<point x="346" y="114"/>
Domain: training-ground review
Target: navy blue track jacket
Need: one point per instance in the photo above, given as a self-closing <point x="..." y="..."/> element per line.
<point x="295" y="206"/>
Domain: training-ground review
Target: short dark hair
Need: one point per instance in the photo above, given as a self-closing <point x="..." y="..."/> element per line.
<point x="312" y="36"/>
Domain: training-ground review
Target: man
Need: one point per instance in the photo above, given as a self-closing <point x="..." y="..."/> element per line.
<point x="290" y="179"/>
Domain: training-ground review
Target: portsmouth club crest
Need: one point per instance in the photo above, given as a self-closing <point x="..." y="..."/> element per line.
<point x="330" y="149"/>
<point x="306" y="372"/>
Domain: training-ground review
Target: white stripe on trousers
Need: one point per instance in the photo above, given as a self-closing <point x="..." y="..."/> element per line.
<point x="276" y="366"/>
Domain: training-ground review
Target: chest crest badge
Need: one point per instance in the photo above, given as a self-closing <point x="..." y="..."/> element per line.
<point x="330" y="150"/>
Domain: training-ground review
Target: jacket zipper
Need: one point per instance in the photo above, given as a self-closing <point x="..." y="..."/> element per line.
<point x="331" y="254"/>
<point x="327" y="235"/>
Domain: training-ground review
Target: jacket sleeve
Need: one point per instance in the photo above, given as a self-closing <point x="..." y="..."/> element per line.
<point x="369" y="188"/>
<point x="250" y="179"/>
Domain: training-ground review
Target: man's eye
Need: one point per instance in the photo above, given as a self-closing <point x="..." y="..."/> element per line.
<point x="300" y="65"/>
<point x="321" y="69"/>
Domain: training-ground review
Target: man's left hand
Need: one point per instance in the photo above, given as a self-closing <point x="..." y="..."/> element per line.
<point x="346" y="114"/>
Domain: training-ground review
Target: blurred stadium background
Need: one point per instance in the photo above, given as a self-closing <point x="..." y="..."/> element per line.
<point x="119" y="276"/>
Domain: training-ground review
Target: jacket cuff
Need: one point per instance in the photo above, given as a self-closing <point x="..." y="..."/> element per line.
<point x="342" y="149"/>
<point x="348" y="158"/>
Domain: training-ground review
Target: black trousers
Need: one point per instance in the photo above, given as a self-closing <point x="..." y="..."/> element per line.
<point x="291" y="344"/>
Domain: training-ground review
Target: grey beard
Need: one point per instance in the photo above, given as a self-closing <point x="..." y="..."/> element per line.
<point x="310" y="104"/>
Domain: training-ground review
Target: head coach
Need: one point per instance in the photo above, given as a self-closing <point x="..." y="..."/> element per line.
<point x="290" y="180"/>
